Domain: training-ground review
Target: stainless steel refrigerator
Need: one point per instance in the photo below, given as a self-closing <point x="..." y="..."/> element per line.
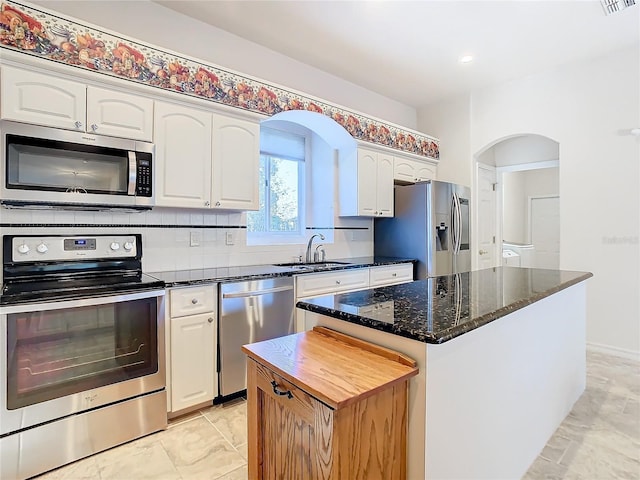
<point x="431" y="224"/>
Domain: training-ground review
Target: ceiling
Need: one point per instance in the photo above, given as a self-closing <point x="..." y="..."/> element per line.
<point x="409" y="50"/>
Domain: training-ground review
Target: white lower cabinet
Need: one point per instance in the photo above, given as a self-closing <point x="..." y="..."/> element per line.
<point x="191" y="372"/>
<point x="390" y="274"/>
<point x="317" y="284"/>
<point x="343" y="281"/>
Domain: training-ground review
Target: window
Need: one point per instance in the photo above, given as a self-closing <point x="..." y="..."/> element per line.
<point x="282" y="180"/>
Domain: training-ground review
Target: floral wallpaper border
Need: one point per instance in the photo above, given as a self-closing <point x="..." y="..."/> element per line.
<point x="32" y="31"/>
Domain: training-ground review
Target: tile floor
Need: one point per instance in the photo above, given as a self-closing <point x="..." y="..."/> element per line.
<point x="599" y="440"/>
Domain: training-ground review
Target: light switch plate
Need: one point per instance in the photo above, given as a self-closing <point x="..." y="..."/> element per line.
<point x="196" y="238"/>
<point x="228" y="239"/>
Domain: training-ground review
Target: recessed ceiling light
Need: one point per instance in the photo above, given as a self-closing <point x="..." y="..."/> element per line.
<point x="466" y="59"/>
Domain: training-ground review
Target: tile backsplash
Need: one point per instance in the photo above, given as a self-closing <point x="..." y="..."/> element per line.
<point x="177" y="239"/>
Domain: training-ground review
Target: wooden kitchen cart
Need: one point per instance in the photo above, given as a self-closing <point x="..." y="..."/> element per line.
<point x="326" y="406"/>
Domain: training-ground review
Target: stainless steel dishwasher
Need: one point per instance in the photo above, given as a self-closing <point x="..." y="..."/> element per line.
<point x="250" y="311"/>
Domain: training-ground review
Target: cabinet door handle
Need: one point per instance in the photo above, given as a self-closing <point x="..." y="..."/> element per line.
<point x="210" y="319"/>
<point x="78" y="124"/>
<point x="94" y="127"/>
<point x="277" y="391"/>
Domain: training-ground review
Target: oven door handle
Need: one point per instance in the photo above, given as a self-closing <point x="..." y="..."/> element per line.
<point x="81" y="302"/>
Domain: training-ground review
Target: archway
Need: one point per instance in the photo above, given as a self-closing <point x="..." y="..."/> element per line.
<point x="517" y="202"/>
<point x="327" y="142"/>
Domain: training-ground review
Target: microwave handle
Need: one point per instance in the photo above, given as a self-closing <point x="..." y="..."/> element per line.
<point x="133" y="170"/>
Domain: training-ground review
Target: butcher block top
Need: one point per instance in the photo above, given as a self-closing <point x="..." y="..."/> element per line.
<point x="335" y="368"/>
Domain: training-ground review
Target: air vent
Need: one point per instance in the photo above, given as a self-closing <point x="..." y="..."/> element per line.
<point x="613" y="6"/>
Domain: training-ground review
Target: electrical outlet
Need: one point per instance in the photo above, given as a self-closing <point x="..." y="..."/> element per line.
<point x="196" y="238"/>
<point x="228" y="239"/>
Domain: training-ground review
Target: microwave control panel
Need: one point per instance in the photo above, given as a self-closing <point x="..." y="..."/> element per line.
<point x="144" y="175"/>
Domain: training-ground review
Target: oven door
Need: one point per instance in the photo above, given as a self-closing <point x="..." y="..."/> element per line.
<point x="61" y="358"/>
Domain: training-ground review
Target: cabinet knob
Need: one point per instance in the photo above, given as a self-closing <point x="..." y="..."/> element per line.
<point x="207" y="204"/>
<point x="416" y="179"/>
<point x="217" y="204"/>
<point x="210" y="319"/>
<point x="78" y="124"/>
<point x="375" y="213"/>
<point x="394" y="274"/>
<point x="194" y="300"/>
<point x="337" y="282"/>
<point x="94" y="127"/>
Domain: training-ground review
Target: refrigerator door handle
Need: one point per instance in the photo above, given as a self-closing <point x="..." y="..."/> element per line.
<point x="453" y="224"/>
<point x="457" y="224"/>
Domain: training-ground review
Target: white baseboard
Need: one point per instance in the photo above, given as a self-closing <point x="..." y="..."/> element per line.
<point x="615" y="351"/>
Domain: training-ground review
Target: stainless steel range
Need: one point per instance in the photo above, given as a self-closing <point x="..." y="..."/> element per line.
<point x="81" y="349"/>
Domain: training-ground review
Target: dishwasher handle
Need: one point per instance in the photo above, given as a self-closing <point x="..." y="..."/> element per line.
<point x="257" y="293"/>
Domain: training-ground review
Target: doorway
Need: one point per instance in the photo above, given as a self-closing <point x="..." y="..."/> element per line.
<point x="521" y="225"/>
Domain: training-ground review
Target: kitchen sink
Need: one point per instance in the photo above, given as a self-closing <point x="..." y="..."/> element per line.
<point x="311" y="265"/>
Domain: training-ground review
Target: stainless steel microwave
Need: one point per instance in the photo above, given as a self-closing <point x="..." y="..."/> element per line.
<point x="43" y="167"/>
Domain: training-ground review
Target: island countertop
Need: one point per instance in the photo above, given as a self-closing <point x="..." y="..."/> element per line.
<point x="439" y="309"/>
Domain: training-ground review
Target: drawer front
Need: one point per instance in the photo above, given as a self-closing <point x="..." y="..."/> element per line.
<point x="390" y="274"/>
<point x="331" y="282"/>
<point x="193" y="300"/>
<point x="286" y="393"/>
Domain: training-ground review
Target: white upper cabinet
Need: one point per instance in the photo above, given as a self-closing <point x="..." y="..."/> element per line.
<point x="366" y="184"/>
<point x="183" y="156"/>
<point x="119" y="114"/>
<point x="236" y="157"/>
<point x="205" y="160"/>
<point x="407" y="170"/>
<point x="384" y="185"/>
<point x="40" y="99"/>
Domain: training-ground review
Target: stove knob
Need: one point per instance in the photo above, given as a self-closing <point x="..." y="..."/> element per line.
<point x="42" y="248"/>
<point x="128" y="246"/>
<point x="114" y="246"/>
<point x="23" y="249"/>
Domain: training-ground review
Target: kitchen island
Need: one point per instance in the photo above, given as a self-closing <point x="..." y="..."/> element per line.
<point x="501" y="354"/>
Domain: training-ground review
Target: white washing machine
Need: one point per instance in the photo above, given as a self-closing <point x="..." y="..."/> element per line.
<point x="522" y="254"/>
<point x="510" y="258"/>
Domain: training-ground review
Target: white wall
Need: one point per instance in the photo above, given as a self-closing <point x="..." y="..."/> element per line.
<point x="525" y="149"/>
<point x="517" y="187"/>
<point x="588" y="108"/>
<point x="155" y="24"/>
<point x="514" y="206"/>
<point x="450" y="122"/>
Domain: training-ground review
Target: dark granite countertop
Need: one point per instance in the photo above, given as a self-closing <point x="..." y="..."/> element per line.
<point x="438" y="309"/>
<point x="173" y="278"/>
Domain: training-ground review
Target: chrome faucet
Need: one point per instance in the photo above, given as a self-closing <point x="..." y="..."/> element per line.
<point x="308" y="255"/>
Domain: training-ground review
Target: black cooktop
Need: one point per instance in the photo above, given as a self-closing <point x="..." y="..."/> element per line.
<point x="75" y="287"/>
